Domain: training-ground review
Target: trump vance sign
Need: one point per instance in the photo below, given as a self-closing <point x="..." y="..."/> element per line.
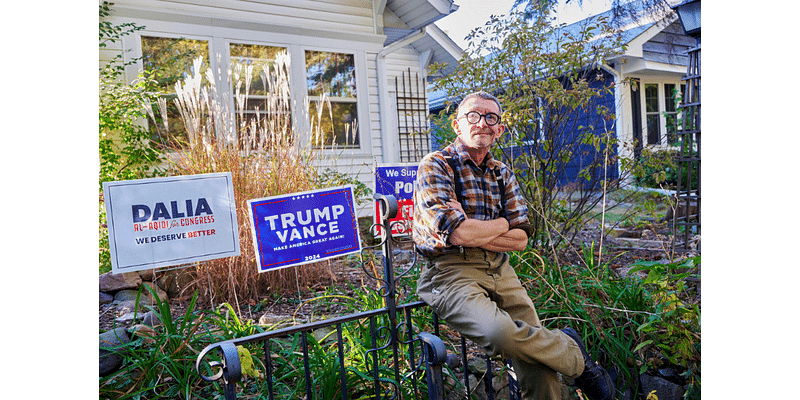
<point x="160" y="222"/>
<point x="305" y="227"/>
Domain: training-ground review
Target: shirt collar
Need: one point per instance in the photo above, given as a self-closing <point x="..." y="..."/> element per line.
<point x="460" y="149"/>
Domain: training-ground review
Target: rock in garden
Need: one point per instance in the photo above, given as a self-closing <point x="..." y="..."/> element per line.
<point x="479" y="393"/>
<point x="127" y="317"/>
<point x="173" y="282"/>
<point x="670" y="375"/>
<point x="624" y="272"/>
<point x="501" y="386"/>
<point x="477" y="366"/>
<point x="151" y="318"/>
<point x="128" y="295"/>
<point x="112" y="340"/>
<point x="630" y="234"/>
<point x="616" y="232"/>
<point x="147" y="275"/>
<point x="665" y="390"/>
<point x="146" y="332"/>
<point x="111" y="283"/>
<point x="106" y="298"/>
<point x="162" y="295"/>
<point x="453" y="361"/>
<point x="126" y="306"/>
<point x="324" y="334"/>
<point x="167" y="282"/>
<point x="272" y="319"/>
<point x="628" y="395"/>
<point x="126" y="311"/>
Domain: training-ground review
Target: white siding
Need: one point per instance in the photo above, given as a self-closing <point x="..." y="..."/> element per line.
<point x="374" y="109"/>
<point x="398" y="63"/>
<point x="353" y="16"/>
<point x="108" y="53"/>
<point x="329" y="25"/>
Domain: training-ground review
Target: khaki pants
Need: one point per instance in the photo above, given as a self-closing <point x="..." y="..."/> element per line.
<point x="478" y="294"/>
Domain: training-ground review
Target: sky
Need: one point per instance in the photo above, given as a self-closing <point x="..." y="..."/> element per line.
<point x="474" y="13"/>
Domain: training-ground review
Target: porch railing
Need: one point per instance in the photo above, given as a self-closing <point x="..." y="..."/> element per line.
<point x="392" y="366"/>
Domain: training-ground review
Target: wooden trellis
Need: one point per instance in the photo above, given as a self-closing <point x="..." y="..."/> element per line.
<point x="686" y="218"/>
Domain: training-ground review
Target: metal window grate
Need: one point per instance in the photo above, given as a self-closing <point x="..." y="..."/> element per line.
<point x="412" y="117"/>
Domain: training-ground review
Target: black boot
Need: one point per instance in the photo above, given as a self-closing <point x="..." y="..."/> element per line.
<point x="595" y="382"/>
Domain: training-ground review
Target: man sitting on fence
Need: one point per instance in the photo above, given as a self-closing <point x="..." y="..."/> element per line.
<point x="469" y="212"/>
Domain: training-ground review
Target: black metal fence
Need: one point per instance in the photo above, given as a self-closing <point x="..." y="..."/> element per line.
<point x="383" y="353"/>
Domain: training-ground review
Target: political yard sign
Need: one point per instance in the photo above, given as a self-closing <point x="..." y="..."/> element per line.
<point x="160" y="222"/>
<point x="397" y="180"/>
<point x="305" y="227"/>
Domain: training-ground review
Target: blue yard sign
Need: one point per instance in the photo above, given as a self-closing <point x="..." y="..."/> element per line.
<point x="397" y="180"/>
<point x="302" y="228"/>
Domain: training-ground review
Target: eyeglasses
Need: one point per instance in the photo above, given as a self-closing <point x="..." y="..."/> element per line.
<point x="473" y="117"/>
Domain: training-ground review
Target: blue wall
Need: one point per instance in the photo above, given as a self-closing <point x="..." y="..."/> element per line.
<point x="583" y="153"/>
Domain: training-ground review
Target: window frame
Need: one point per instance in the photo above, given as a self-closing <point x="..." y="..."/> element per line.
<point x="134" y="68"/>
<point x="228" y="62"/>
<point x="674" y="114"/>
<point x="296" y="46"/>
<point x="663" y="140"/>
<point x="356" y="100"/>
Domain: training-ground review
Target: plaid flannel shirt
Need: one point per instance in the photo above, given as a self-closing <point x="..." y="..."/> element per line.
<point x="434" y="221"/>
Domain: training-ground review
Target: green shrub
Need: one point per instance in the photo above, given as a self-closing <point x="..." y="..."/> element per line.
<point x="634" y="324"/>
<point x="659" y="169"/>
<point x="125" y="150"/>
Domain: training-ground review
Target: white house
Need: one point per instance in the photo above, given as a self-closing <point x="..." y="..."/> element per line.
<point x="648" y="78"/>
<point x="385" y="48"/>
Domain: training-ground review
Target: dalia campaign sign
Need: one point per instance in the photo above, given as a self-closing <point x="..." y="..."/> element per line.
<point x="301" y="228"/>
<point x="397" y="180"/>
<point x="160" y="222"/>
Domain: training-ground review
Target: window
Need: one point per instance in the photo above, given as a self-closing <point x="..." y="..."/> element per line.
<point x="331" y="81"/>
<point x="263" y="103"/>
<point x="661" y="112"/>
<point x="653" y="118"/>
<point x="170" y="60"/>
<point x="261" y="92"/>
<point x="671" y="102"/>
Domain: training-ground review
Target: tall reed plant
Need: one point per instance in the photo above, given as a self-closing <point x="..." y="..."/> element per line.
<point x="261" y="151"/>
